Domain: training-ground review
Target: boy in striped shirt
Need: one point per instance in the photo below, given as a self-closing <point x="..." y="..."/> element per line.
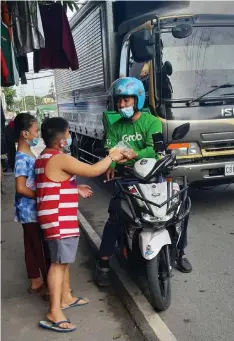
<point x="57" y="206"/>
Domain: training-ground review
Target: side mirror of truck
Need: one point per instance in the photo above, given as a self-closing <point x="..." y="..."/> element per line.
<point x="142" y="46"/>
<point x="180" y="132"/>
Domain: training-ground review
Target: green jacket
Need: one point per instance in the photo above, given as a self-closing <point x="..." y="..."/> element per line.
<point x="138" y="134"/>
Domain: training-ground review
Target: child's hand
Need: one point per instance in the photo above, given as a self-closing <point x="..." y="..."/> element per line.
<point x="85" y="191"/>
<point x="129" y="154"/>
<point x="116" y="155"/>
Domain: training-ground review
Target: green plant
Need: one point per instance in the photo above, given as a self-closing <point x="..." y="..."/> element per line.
<point x="10" y="94"/>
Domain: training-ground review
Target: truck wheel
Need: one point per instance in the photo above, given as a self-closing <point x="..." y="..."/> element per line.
<point x="158" y="281"/>
<point x="75" y="147"/>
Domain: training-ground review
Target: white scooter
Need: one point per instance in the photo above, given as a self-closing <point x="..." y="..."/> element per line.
<point x="153" y="211"/>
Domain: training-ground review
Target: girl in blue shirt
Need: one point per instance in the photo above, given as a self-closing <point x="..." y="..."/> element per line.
<point x="27" y="135"/>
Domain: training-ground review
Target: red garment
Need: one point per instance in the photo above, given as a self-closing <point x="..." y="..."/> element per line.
<point x="36" y="256"/>
<point x="57" y="202"/>
<point x="4" y="69"/>
<point x="11" y="124"/>
<point x="59" y="51"/>
<point x="6" y="17"/>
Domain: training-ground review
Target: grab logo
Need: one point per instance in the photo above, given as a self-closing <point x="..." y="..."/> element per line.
<point x="128" y="138"/>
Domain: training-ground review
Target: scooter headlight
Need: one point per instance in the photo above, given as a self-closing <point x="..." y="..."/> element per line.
<point x="149" y="218"/>
<point x="156" y="221"/>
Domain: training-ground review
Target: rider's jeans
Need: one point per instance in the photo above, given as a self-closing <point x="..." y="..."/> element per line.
<point x="112" y="230"/>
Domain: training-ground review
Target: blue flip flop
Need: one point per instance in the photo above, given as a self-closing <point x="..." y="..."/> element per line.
<point x="55" y="326"/>
<point x="76" y="303"/>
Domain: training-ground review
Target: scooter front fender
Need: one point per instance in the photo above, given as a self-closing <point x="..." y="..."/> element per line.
<point x="152" y="242"/>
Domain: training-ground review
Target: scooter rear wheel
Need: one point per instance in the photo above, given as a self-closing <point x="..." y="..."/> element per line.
<point x="159" y="281"/>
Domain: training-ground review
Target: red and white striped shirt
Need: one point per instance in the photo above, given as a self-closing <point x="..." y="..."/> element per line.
<point x="57" y="202"/>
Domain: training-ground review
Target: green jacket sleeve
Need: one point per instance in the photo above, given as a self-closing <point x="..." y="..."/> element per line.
<point x="148" y="151"/>
<point x="111" y="141"/>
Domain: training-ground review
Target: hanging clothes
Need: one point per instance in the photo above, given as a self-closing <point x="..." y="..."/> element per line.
<point x="4" y="69"/>
<point x="23" y="68"/>
<point x="7" y="53"/>
<point x="6" y="16"/>
<point x="59" y="51"/>
<point x="28" y="32"/>
<point x="15" y="66"/>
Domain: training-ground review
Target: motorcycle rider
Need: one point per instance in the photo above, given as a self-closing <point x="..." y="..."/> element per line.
<point x="135" y="128"/>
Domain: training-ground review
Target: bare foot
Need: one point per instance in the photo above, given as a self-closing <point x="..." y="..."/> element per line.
<point x="71" y="300"/>
<point x="57" y="317"/>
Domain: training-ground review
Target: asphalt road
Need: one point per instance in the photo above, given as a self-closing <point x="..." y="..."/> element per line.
<point x="202" y="302"/>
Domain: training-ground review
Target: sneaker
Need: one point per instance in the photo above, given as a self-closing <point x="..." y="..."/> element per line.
<point x="101" y="276"/>
<point x="184" y="265"/>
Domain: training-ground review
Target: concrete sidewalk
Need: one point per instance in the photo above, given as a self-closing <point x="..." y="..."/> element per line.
<point x="104" y="319"/>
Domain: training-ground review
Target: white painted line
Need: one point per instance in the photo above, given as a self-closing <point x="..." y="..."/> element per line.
<point x="147" y="320"/>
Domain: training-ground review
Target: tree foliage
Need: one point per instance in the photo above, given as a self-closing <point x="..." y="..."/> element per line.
<point x="29" y="103"/>
<point x="10" y="94"/>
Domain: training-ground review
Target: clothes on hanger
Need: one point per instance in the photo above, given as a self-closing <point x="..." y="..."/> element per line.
<point x="28" y="32"/>
<point x="59" y="51"/>
<point x="12" y="68"/>
<point x="31" y="26"/>
<point x="4" y="69"/>
<point x="6" y="16"/>
<point x="7" y="53"/>
<point x="23" y="67"/>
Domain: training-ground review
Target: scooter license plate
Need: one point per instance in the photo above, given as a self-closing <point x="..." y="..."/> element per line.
<point x="229" y="169"/>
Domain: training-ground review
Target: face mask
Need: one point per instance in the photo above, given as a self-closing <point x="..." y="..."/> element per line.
<point x="33" y="142"/>
<point x="69" y="141"/>
<point x="127" y="112"/>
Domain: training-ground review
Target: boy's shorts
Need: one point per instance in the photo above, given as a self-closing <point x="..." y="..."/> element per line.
<point x="63" y="251"/>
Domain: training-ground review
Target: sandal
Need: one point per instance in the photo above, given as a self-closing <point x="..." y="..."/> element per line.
<point x="56" y="326"/>
<point x="77" y="303"/>
<point x="35" y="291"/>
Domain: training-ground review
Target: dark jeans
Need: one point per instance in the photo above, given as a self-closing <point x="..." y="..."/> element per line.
<point x="112" y="230"/>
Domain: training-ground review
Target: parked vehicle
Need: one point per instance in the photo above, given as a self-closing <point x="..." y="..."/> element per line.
<point x="170" y="46"/>
<point x="46" y="111"/>
<point x="154" y="207"/>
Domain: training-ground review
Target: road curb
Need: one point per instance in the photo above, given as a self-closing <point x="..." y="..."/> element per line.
<point x="146" y="319"/>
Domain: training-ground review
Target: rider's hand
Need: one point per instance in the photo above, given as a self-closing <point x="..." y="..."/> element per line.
<point x="85" y="191"/>
<point x="110" y="174"/>
<point x="129" y="154"/>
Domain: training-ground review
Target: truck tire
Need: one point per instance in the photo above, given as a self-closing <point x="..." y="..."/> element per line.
<point x="159" y="282"/>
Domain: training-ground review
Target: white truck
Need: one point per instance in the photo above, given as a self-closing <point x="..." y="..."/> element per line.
<point x="182" y="51"/>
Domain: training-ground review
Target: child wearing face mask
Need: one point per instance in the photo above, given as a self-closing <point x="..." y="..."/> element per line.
<point x="27" y="136"/>
<point x="57" y="208"/>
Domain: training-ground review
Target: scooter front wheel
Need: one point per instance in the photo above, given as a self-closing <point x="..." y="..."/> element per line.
<point x="159" y="282"/>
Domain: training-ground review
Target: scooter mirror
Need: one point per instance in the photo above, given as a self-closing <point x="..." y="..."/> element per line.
<point x="180" y="132"/>
<point x="159" y="145"/>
